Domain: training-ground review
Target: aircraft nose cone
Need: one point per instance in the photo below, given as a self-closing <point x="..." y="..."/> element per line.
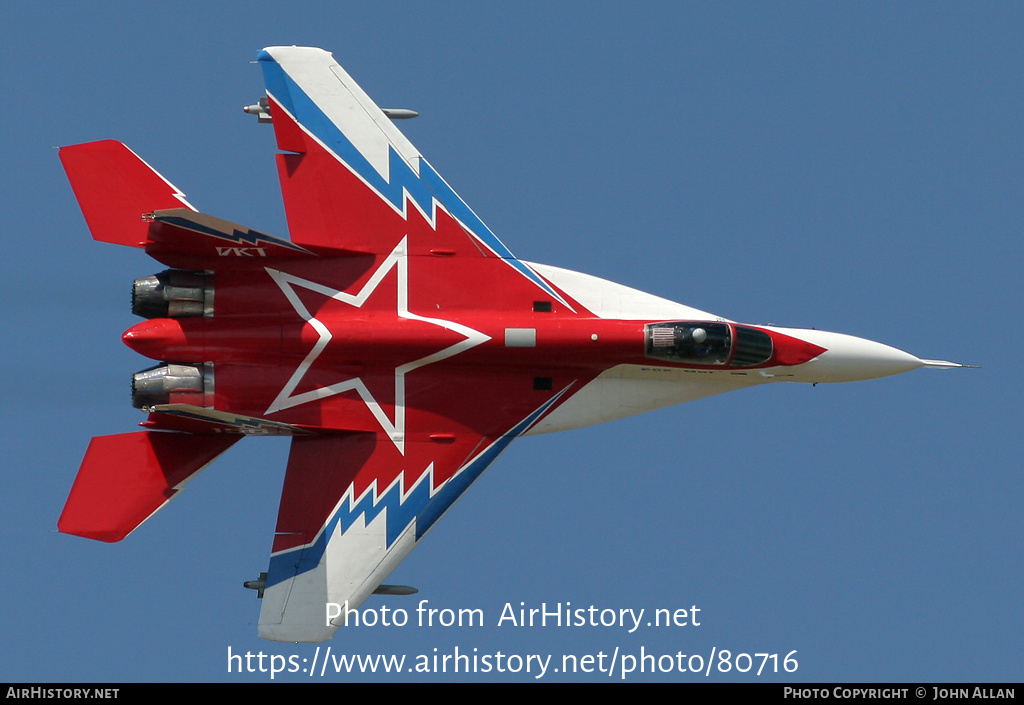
<point x="156" y="338"/>
<point x="851" y="359"/>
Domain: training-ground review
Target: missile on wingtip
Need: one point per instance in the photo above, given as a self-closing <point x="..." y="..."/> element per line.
<point x="261" y="110"/>
<point x="395" y="590"/>
<point x="400" y="113"/>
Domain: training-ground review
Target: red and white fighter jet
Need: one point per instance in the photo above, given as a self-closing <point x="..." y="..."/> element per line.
<point x="394" y="337"/>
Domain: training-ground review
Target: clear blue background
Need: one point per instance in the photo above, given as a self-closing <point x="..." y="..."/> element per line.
<point x="851" y="167"/>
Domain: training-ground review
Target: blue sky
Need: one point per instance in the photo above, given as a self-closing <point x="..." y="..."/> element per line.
<point x="855" y="168"/>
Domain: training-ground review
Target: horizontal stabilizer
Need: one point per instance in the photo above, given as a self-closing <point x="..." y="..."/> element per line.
<point x="115" y="189"/>
<point x="126" y="478"/>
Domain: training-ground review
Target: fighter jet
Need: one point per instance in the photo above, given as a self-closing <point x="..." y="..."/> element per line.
<point x="393" y="336"/>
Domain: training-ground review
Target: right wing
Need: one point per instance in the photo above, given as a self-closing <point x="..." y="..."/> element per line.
<point x="350" y="179"/>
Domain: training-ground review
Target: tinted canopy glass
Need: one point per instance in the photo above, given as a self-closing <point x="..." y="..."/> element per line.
<point x="694" y="343"/>
<point x="708" y="343"/>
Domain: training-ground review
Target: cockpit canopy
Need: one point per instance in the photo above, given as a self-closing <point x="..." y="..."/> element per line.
<point x="708" y="343"/>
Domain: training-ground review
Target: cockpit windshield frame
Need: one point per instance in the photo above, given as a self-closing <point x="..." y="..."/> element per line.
<point x="708" y="344"/>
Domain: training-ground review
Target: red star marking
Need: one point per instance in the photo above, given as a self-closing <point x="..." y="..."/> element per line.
<point x="398" y="260"/>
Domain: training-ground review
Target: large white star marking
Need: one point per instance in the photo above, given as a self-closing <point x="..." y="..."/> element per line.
<point x="398" y="258"/>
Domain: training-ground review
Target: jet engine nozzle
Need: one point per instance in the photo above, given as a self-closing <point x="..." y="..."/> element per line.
<point x="173" y="293"/>
<point x="173" y="384"/>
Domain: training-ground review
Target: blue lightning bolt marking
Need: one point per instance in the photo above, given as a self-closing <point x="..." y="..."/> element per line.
<point x="249" y="236"/>
<point x="425" y="189"/>
<point x="420" y="505"/>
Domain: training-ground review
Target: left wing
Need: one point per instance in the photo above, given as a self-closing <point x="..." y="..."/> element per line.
<point x="353" y="507"/>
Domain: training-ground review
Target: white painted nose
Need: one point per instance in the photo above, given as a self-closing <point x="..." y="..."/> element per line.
<point x="850" y="359"/>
